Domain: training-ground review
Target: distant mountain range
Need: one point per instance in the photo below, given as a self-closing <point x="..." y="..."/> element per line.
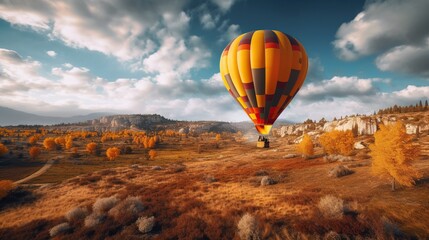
<point x="11" y="117"/>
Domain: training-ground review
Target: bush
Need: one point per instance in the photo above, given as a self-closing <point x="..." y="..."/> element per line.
<point x="145" y="224"/>
<point x="102" y="205"/>
<point x="91" y="147"/>
<point x="305" y="147"/>
<point x="152" y="154"/>
<point x="266" y="180"/>
<point x="127" y="210"/>
<point x="337" y="142"/>
<point x="3" y="149"/>
<point x="340" y="171"/>
<point x="335" y="158"/>
<point x="332" y="236"/>
<point x="94" y="219"/>
<point x="248" y="227"/>
<point x="113" y="153"/>
<point x="49" y="143"/>
<point x="34" y="152"/>
<point x="60" y="228"/>
<point x="331" y="207"/>
<point x="76" y="214"/>
<point x="5" y="187"/>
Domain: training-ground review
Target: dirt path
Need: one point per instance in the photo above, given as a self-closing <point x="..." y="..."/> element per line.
<point x="39" y="172"/>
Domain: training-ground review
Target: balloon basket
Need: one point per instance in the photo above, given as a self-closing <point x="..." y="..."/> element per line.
<point x="263" y="142"/>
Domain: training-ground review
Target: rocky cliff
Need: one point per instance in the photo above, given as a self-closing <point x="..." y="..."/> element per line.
<point x="362" y="125"/>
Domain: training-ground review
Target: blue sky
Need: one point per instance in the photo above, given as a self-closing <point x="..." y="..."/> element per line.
<point x="64" y="58"/>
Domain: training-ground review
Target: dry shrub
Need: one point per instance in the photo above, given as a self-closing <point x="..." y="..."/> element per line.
<point x="145" y="224"/>
<point x="248" y="228"/>
<point x="152" y="154"/>
<point x="127" y="211"/>
<point x="209" y="179"/>
<point x="335" y="158"/>
<point x="5" y="187"/>
<point x="76" y="214"/>
<point x="59" y="229"/>
<point x="157" y="168"/>
<point x="332" y="236"/>
<point x="331" y="206"/>
<point x="266" y="180"/>
<point x="94" y="219"/>
<point x="340" y="171"/>
<point x="103" y="205"/>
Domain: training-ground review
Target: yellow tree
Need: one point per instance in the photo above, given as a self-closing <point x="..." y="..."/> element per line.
<point x="3" y="149"/>
<point x="5" y="187"/>
<point x="218" y="137"/>
<point x="60" y="141"/>
<point x="33" y="140"/>
<point x="113" y="153"/>
<point x="392" y="154"/>
<point x="34" y="152"/>
<point x="152" y="154"/>
<point x="337" y="142"/>
<point x="69" y="143"/>
<point x="305" y="147"/>
<point x="49" y="143"/>
<point x="91" y="147"/>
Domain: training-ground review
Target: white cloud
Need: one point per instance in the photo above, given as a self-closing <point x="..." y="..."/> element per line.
<point x="338" y="87"/>
<point x="230" y="33"/>
<point x="208" y="21"/>
<point x="123" y="29"/>
<point x="51" y="53"/>
<point x="224" y="5"/>
<point x="74" y="90"/>
<point x="396" y="28"/>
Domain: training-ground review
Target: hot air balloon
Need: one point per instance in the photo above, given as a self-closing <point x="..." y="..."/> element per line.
<point x="263" y="70"/>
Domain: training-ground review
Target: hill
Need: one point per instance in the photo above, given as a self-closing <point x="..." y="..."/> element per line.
<point x="11" y="117"/>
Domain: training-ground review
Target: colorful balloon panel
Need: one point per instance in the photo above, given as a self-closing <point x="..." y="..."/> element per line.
<point x="263" y="70"/>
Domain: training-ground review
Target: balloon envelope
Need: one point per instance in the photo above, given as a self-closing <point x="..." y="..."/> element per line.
<point x="263" y="70"/>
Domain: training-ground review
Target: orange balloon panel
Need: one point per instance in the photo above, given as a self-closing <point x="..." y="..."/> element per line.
<point x="263" y="70"/>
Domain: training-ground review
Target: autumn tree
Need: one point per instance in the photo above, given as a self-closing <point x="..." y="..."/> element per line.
<point x="5" y="187"/>
<point x="392" y="154"/>
<point x="152" y="154"/>
<point x="218" y="137"/>
<point x="113" y="153"/>
<point x="3" y="149"/>
<point x="34" y="152"/>
<point x="33" y="140"/>
<point x="337" y="142"/>
<point x="69" y="143"/>
<point x="305" y="147"/>
<point x="60" y="141"/>
<point x="91" y="147"/>
<point x="49" y="143"/>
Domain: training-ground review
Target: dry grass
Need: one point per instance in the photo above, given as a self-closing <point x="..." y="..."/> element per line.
<point x="186" y="207"/>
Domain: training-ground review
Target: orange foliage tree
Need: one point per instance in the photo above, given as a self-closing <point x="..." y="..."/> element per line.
<point x="49" y="143"/>
<point x="33" y="140"/>
<point x="91" y="147"/>
<point x="5" y="187"/>
<point x="218" y="137"/>
<point x="337" y="142"/>
<point x="113" y="153"/>
<point x="60" y="141"/>
<point x="152" y="154"/>
<point x="3" y="149"/>
<point x="392" y="154"/>
<point x="69" y="143"/>
<point x="305" y="147"/>
<point x="34" y="152"/>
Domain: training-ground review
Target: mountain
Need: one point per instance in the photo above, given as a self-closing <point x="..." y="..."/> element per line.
<point x="11" y="117"/>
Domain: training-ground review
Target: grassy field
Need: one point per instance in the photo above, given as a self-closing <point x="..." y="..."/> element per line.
<point x="204" y="187"/>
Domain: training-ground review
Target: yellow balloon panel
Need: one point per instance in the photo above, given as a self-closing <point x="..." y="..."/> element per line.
<point x="263" y="70"/>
